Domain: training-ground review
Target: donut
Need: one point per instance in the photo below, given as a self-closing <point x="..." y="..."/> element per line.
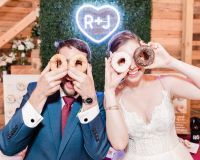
<point x="10" y="99"/>
<point x="21" y="85"/>
<point x="144" y="56"/>
<point x="78" y="59"/>
<point x="55" y="58"/>
<point x="121" y="61"/>
<point x="180" y="108"/>
<point x="10" y="112"/>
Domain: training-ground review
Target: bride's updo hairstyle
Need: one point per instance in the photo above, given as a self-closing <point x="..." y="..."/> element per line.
<point x="120" y="39"/>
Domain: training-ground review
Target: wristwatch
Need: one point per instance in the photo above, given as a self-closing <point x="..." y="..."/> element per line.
<point x="89" y="100"/>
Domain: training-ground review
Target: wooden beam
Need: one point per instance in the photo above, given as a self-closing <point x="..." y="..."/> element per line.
<point x="187" y="34"/>
<point x="25" y="22"/>
<point x="187" y="31"/>
<point x="2" y="2"/>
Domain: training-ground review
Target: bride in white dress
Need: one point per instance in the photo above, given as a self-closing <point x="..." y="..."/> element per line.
<point x="140" y="117"/>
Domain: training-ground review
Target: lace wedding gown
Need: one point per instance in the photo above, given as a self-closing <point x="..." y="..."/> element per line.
<point x="154" y="141"/>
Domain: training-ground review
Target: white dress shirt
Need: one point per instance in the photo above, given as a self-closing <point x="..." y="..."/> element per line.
<point x="32" y="118"/>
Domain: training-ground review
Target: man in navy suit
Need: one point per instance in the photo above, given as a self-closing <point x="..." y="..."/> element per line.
<point x="59" y="119"/>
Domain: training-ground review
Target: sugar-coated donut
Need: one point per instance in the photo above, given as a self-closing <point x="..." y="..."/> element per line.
<point x="55" y="58"/>
<point x="21" y="85"/>
<point x="10" y="112"/>
<point x="144" y="56"/>
<point x="116" y="62"/>
<point x="79" y="58"/>
<point x="10" y="99"/>
<point x="180" y="108"/>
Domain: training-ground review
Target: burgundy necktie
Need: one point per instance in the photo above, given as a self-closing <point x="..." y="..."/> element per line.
<point x="65" y="111"/>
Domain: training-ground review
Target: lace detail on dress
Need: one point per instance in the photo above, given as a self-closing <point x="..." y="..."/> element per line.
<point x="158" y="136"/>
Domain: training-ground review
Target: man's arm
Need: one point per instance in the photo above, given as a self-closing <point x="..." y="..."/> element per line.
<point x="94" y="133"/>
<point x="15" y="136"/>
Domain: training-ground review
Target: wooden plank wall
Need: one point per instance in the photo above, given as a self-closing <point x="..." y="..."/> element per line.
<point x="166" y="25"/>
<point x="10" y="14"/>
<point x="166" y="28"/>
<point x="195" y="105"/>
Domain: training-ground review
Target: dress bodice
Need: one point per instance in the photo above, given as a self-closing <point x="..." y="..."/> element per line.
<point x="159" y="136"/>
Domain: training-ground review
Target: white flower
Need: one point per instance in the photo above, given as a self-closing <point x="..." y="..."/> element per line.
<point x="21" y="47"/>
<point x="37" y="12"/>
<point x="9" y="60"/>
<point x="14" y="46"/>
<point x="29" y="45"/>
<point x="38" y="41"/>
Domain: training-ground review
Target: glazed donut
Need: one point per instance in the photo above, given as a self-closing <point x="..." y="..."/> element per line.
<point x="55" y="58"/>
<point x="180" y="108"/>
<point x="144" y="56"/>
<point x="79" y="59"/>
<point x="10" y="99"/>
<point x="21" y="86"/>
<point x="10" y="112"/>
<point x="120" y="68"/>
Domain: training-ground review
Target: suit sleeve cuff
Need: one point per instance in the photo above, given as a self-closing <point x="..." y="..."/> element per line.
<point x="89" y="115"/>
<point x="30" y="116"/>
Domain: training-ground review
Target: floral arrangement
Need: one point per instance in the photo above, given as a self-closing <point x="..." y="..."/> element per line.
<point x="22" y="46"/>
<point x="35" y="31"/>
<point x="6" y="61"/>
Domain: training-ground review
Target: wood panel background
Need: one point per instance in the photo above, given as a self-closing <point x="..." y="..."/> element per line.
<point x="167" y="30"/>
<point x="11" y="13"/>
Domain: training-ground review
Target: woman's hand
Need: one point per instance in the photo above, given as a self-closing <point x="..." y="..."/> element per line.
<point x="162" y="57"/>
<point x="112" y="78"/>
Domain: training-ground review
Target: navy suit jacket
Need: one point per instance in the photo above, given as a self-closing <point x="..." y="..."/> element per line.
<point x="80" y="141"/>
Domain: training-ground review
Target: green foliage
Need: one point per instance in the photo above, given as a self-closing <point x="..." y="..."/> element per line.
<point x="58" y="23"/>
<point x="35" y="31"/>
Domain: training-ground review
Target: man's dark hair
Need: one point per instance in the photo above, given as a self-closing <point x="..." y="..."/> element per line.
<point x="76" y="43"/>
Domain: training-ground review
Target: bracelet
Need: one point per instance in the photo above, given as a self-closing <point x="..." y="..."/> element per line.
<point x="112" y="108"/>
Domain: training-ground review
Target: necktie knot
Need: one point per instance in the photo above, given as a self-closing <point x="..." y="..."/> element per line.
<point x="68" y="100"/>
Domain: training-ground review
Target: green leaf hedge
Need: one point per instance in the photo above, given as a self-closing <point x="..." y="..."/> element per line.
<point x="58" y="23"/>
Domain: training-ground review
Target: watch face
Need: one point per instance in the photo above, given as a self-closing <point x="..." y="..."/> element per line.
<point x="89" y="100"/>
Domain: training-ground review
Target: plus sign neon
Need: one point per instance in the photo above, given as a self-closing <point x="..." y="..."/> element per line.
<point x="98" y="20"/>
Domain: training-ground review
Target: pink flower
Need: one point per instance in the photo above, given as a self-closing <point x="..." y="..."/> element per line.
<point x="19" y="42"/>
<point x="3" y="63"/>
<point x="14" y="46"/>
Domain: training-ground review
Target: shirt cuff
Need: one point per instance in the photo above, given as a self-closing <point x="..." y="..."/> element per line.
<point x="30" y="116"/>
<point x="89" y="115"/>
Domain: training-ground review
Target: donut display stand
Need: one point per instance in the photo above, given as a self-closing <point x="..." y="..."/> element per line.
<point x="15" y="86"/>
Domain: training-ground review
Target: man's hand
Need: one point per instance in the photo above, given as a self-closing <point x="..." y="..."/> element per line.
<point x="83" y="84"/>
<point x="48" y="84"/>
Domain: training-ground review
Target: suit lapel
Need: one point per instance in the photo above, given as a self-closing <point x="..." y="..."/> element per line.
<point x="70" y="126"/>
<point x="54" y="109"/>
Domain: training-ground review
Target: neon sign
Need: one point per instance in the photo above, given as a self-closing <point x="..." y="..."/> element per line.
<point x="97" y="23"/>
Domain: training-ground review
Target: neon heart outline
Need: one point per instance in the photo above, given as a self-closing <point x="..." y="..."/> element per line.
<point x="97" y="9"/>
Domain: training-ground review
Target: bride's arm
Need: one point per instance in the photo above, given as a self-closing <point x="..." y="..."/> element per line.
<point x="185" y="87"/>
<point x="178" y="86"/>
<point x="115" y="124"/>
